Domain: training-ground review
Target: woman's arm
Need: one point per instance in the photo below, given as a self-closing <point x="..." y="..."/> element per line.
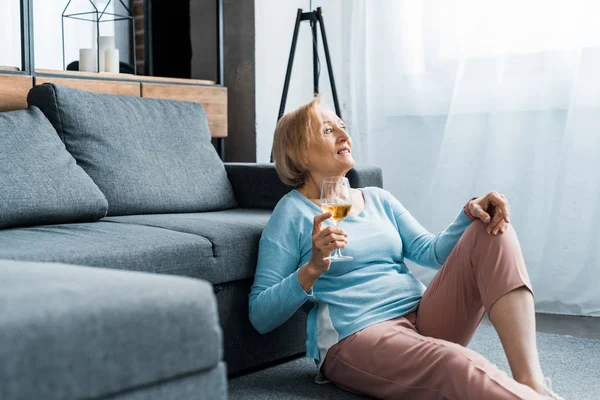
<point x="420" y="245"/>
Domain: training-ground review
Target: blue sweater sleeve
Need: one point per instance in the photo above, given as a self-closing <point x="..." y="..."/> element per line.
<point x="423" y="247"/>
<point x="276" y="293"/>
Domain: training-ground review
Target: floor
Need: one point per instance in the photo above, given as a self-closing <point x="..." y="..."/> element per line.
<point x="570" y="361"/>
<point x="584" y="327"/>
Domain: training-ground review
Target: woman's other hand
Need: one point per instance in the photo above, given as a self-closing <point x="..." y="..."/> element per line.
<point x="493" y="209"/>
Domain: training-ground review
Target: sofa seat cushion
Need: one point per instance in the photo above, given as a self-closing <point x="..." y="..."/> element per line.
<point x="234" y="235"/>
<point x="110" y="245"/>
<point x="79" y="332"/>
<point x="146" y="155"/>
<point x="40" y="183"/>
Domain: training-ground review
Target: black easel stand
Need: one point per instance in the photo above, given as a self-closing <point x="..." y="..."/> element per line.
<point x="314" y="17"/>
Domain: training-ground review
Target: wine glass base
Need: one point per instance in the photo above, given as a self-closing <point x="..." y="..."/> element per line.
<point x="339" y="258"/>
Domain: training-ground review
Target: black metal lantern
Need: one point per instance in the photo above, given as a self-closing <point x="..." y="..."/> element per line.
<point x="98" y="16"/>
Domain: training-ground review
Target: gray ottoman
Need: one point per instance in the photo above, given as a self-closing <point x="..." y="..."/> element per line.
<point x="69" y="332"/>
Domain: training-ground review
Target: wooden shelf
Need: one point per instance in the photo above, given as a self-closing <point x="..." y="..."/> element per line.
<point x="14" y="89"/>
<point x="127" y="77"/>
<point x="123" y="88"/>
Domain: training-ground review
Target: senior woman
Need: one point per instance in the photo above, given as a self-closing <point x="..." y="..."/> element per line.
<point x="373" y="327"/>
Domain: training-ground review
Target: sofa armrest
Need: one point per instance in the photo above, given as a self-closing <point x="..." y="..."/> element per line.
<point x="259" y="186"/>
<point x="256" y="185"/>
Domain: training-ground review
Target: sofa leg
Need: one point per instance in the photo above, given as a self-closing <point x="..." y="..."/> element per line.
<point x="221" y="148"/>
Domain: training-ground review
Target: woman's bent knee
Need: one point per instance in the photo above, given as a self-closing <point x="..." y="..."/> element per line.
<point x="477" y="232"/>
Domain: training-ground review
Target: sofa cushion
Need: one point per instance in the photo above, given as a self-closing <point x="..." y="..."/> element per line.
<point x="40" y="183"/>
<point x="146" y="155"/>
<point x="234" y="235"/>
<point x="110" y="245"/>
<point x="72" y="332"/>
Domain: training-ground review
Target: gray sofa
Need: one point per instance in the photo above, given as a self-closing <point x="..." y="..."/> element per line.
<point x="70" y="332"/>
<point x="127" y="191"/>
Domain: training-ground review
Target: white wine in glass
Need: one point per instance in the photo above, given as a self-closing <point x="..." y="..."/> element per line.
<point x="336" y="198"/>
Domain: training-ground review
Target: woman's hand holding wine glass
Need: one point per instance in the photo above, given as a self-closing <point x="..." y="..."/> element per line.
<point x="325" y="241"/>
<point x="336" y="201"/>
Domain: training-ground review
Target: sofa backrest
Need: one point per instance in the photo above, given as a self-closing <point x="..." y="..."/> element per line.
<point x="40" y="183"/>
<point x="146" y="155"/>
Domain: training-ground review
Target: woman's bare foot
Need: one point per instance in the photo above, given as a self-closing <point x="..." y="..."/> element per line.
<point x="547" y="390"/>
<point x="543" y="387"/>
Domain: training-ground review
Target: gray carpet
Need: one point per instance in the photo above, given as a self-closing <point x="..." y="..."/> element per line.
<point x="572" y="363"/>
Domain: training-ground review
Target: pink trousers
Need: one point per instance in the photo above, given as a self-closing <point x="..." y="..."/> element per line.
<point x="422" y="355"/>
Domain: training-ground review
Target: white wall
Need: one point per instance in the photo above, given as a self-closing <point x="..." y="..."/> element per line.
<point x="47" y="33"/>
<point x="274" y="28"/>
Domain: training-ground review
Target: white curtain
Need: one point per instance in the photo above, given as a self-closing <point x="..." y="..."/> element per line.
<point x="454" y="98"/>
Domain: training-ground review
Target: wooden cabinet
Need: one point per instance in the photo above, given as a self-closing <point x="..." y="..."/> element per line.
<point x="13" y="91"/>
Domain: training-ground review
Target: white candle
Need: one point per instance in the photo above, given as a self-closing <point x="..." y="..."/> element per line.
<point x="112" y="60"/>
<point x="105" y="42"/>
<point x="87" y="60"/>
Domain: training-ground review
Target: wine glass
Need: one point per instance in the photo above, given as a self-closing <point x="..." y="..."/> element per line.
<point x="336" y="198"/>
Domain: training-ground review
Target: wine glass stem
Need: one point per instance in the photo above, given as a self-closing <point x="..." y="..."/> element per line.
<point x="338" y="252"/>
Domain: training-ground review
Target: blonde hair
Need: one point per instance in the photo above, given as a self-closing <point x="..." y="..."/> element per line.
<point x="293" y="134"/>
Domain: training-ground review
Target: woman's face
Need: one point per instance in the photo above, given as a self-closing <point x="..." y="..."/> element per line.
<point x="331" y="156"/>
